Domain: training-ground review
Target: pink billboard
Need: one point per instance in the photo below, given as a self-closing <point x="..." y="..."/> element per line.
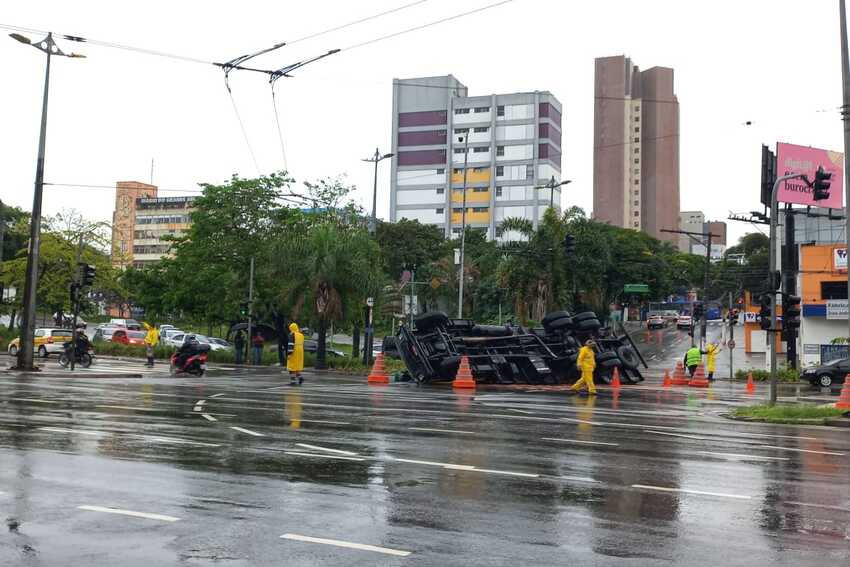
<point x="803" y="159"/>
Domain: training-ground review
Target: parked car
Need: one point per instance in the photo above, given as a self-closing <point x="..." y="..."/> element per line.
<point x="130" y="324"/>
<point x="312" y="346"/>
<point x="828" y="375"/>
<point x="178" y="339"/>
<point x="128" y="337"/>
<point x="220" y="342"/>
<point x="656" y="322"/>
<point x="670" y="314"/>
<point x="47" y="341"/>
<point x="166" y="335"/>
<point x="684" y="322"/>
<point x="104" y="332"/>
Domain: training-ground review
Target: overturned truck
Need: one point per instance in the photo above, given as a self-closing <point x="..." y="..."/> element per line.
<point x="511" y="354"/>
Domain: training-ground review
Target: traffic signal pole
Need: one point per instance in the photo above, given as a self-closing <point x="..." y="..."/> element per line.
<point x="731" y="342"/>
<point x="789" y="283"/>
<point x="845" y="116"/>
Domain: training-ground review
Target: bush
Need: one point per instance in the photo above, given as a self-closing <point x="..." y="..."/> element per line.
<point x="787" y="414"/>
<point x="783" y="374"/>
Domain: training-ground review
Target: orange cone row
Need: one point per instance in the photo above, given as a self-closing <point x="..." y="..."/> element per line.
<point x="751" y="386"/>
<point x="679" y="378"/>
<point x="379" y="375"/>
<point x="843" y="402"/>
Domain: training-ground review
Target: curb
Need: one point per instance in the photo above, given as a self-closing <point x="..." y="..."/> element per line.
<point x="68" y="374"/>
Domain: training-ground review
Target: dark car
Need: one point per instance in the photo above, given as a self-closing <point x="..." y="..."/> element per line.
<point x="828" y="375"/>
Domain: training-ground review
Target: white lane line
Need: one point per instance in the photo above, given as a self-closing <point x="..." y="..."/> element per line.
<point x="64" y="430"/>
<point x="248" y="431"/>
<point x="33" y="400"/>
<point x="688" y="491"/>
<point x="131" y="408"/>
<point x="321" y="456"/>
<point x="739" y="456"/>
<point x="321" y="421"/>
<point x="217" y="395"/>
<point x="181" y="441"/>
<point x="520" y="411"/>
<point x="580" y="442"/>
<point x="199" y="405"/>
<point x="431" y="463"/>
<point x="579" y="479"/>
<point x="346" y="544"/>
<point x="208" y="417"/>
<point x="834" y="453"/>
<point x="696" y="437"/>
<point x="129" y="513"/>
<point x="317" y="448"/>
<point x="441" y="430"/>
<point x="510" y="473"/>
<point x="811" y="505"/>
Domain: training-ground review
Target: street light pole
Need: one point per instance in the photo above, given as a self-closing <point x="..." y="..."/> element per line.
<point x="552" y="185"/>
<point x="845" y="116"/>
<point x="376" y="158"/>
<point x="462" y="230"/>
<point x="25" y="355"/>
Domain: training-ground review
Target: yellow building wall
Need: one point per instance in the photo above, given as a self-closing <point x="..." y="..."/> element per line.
<point x="471" y="196"/>
<point x="472" y="176"/>
<point x="471" y="218"/>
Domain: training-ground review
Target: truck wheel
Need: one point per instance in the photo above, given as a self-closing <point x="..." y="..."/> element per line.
<point x="628" y="356"/>
<point x="584" y="316"/>
<point x="549" y="317"/>
<point x="588" y="325"/>
<point x="559" y="324"/>
<point x="430" y="321"/>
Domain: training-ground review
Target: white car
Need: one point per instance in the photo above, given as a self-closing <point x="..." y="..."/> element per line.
<point x="684" y="322"/>
<point x="180" y="338"/>
<point x="166" y="335"/>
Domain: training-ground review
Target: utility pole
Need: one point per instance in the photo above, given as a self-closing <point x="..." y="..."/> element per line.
<point x="76" y="296"/>
<point x="552" y="185"/>
<point x="462" y="229"/>
<point x="2" y="244"/>
<point x="845" y="116"/>
<point x="251" y="306"/>
<point x="730" y="344"/>
<point x="375" y="159"/>
<point x="789" y="282"/>
<point x="25" y="356"/>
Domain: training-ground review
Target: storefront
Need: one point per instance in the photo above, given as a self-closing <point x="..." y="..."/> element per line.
<point x="823" y="288"/>
<point x="755" y="338"/>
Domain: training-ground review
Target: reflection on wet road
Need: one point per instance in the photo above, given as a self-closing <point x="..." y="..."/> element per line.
<point x="240" y="469"/>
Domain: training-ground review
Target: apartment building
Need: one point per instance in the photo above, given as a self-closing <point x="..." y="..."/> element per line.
<point x="127" y="193"/>
<point x="503" y="146"/>
<point x="636" y="147"/>
<point x="157" y="219"/>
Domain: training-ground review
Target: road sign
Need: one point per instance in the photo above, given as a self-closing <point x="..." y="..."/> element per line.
<point x="731" y="343"/>
<point x="435" y="283"/>
<point x="636" y="288"/>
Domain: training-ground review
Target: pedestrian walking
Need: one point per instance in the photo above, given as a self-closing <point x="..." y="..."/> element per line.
<point x="711" y="352"/>
<point x="587" y="364"/>
<point x="295" y="361"/>
<point x="259" y="342"/>
<point x="692" y="359"/>
<point x="151" y="340"/>
<point x="239" y="347"/>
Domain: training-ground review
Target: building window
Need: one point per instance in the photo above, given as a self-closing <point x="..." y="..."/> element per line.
<point x="637" y="213"/>
<point x="637" y="118"/>
<point x="637" y="140"/>
<point x="498" y="191"/>
<point x="477" y="170"/>
<point x="637" y="150"/>
<point x="481" y="150"/>
<point x="636" y="160"/>
<point x="637" y="108"/>
<point x="482" y="129"/>
<point x="480" y="189"/>
<point x="637" y="202"/>
<point x="441" y="171"/>
<point x="500" y="150"/>
<point x="500" y="171"/>
<point x="461" y="111"/>
<point x="833" y="290"/>
<point x="637" y="171"/>
<point x="637" y="182"/>
<point x="440" y="210"/>
<point x="482" y="109"/>
<point x="441" y="190"/>
<point x="529" y="172"/>
<point x="480" y="209"/>
<point x="456" y="171"/>
<point x="637" y="129"/>
<point x="457" y="209"/>
<point x="500" y="110"/>
<point x="637" y="224"/>
<point x="461" y="130"/>
<point x="460" y="150"/>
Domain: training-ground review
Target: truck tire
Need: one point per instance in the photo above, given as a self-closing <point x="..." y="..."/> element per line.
<point x="549" y="317"/>
<point x="607" y="355"/>
<point x="628" y="357"/>
<point x="559" y="324"/>
<point x="430" y="321"/>
<point x="588" y="325"/>
<point x="584" y="316"/>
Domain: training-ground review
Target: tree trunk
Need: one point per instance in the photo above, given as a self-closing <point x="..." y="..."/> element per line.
<point x="355" y="341"/>
<point x="321" y="346"/>
<point x="282" y="337"/>
<point x="12" y="319"/>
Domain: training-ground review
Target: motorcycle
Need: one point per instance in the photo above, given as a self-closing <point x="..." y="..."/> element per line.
<point x="195" y="363"/>
<point x="84" y="358"/>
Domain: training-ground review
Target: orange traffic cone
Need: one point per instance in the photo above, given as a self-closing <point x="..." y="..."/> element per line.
<point x="615" y="380"/>
<point x="679" y="378"/>
<point x="667" y="380"/>
<point x="379" y="375"/>
<point x="843" y="402"/>
<point x="463" y="378"/>
<point x="699" y="381"/>
<point x="751" y="386"/>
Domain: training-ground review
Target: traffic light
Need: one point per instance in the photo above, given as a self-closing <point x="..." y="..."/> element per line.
<point x="733" y="317"/>
<point x="790" y="312"/>
<point x="766" y="302"/>
<point x="75" y="288"/>
<point x="699" y="309"/>
<point x="243" y="309"/>
<point x="87" y="274"/>
<point x="820" y="188"/>
<point x="569" y="245"/>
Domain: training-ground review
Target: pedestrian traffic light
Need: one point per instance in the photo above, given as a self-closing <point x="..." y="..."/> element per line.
<point x="766" y="302"/>
<point x="87" y="274"/>
<point x="569" y="245"/>
<point x="75" y="287"/>
<point x="820" y="188"/>
<point x="243" y="309"/>
<point x="790" y="312"/>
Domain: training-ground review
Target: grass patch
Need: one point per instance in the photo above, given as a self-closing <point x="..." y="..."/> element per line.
<point x="788" y="414"/>
<point x="783" y="374"/>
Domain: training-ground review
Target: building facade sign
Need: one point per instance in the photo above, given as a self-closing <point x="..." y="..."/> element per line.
<point x="836" y="309"/>
<point x="839" y="259"/>
<point x="791" y="158"/>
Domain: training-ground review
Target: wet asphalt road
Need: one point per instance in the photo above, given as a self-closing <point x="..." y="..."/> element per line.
<point x="213" y="471"/>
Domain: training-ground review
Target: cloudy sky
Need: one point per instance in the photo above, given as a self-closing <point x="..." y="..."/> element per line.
<point x="772" y="62"/>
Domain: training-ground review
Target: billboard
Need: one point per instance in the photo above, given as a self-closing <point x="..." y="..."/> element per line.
<point x="803" y="159"/>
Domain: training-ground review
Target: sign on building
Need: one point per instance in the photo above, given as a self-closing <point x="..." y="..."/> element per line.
<point x="839" y="259"/>
<point x="836" y="309"/>
<point x="832" y="352"/>
<point x="791" y="158"/>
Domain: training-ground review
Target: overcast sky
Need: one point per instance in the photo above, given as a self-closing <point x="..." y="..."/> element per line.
<point x="773" y="62"/>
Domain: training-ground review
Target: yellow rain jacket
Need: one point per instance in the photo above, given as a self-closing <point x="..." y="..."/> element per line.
<point x="295" y="361"/>
<point x="586" y="359"/>
<point x="711" y="352"/>
<point x="152" y="337"/>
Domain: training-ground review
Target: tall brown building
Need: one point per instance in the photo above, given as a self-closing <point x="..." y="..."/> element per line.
<point x="636" y="147"/>
<point x="124" y="219"/>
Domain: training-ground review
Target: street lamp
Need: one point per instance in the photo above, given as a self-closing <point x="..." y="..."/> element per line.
<point x="25" y="355"/>
<point x="376" y="158"/>
<point x="551" y="186"/>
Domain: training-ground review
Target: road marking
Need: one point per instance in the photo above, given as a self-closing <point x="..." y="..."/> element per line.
<point x="429" y="463"/>
<point x="742" y="457"/>
<point x="199" y="405"/>
<point x="521" y="411"/>
<point x="33" y="400"/>
<point x="181" y="441"/>
<point x="321" y="456"/>
<point x="63" y="430"/>
<point x="131" y="408"/>
<point x="824" y="506"/>
<point x="511" y="473"/>
<point x="321" y="421"/>
<point x="580" y="442"/>
<point x="217" y="395"/>
<point x="578" y="479"/>
<point x="688" y="491"/>
<point x="442" y="430"/>
<point x="208" y="417"/>
<point x="346" y="544"/>
<point x="681" y="435"/>
<point x="836" y="454"/>
<point x="129" y="513"/>
<point x="317" y="448"/>
<point x="248" y="431"/>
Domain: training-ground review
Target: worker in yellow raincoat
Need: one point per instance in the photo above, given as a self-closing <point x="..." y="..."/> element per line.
<point x="151" y="340"/>
<point x="711" y="352"/>
<point x="295" y="361"/>
<point x="587" y="364"/>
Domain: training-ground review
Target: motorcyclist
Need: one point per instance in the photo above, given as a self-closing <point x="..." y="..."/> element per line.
<point x="190" y="346"/>
<point x="83" y="343"/>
